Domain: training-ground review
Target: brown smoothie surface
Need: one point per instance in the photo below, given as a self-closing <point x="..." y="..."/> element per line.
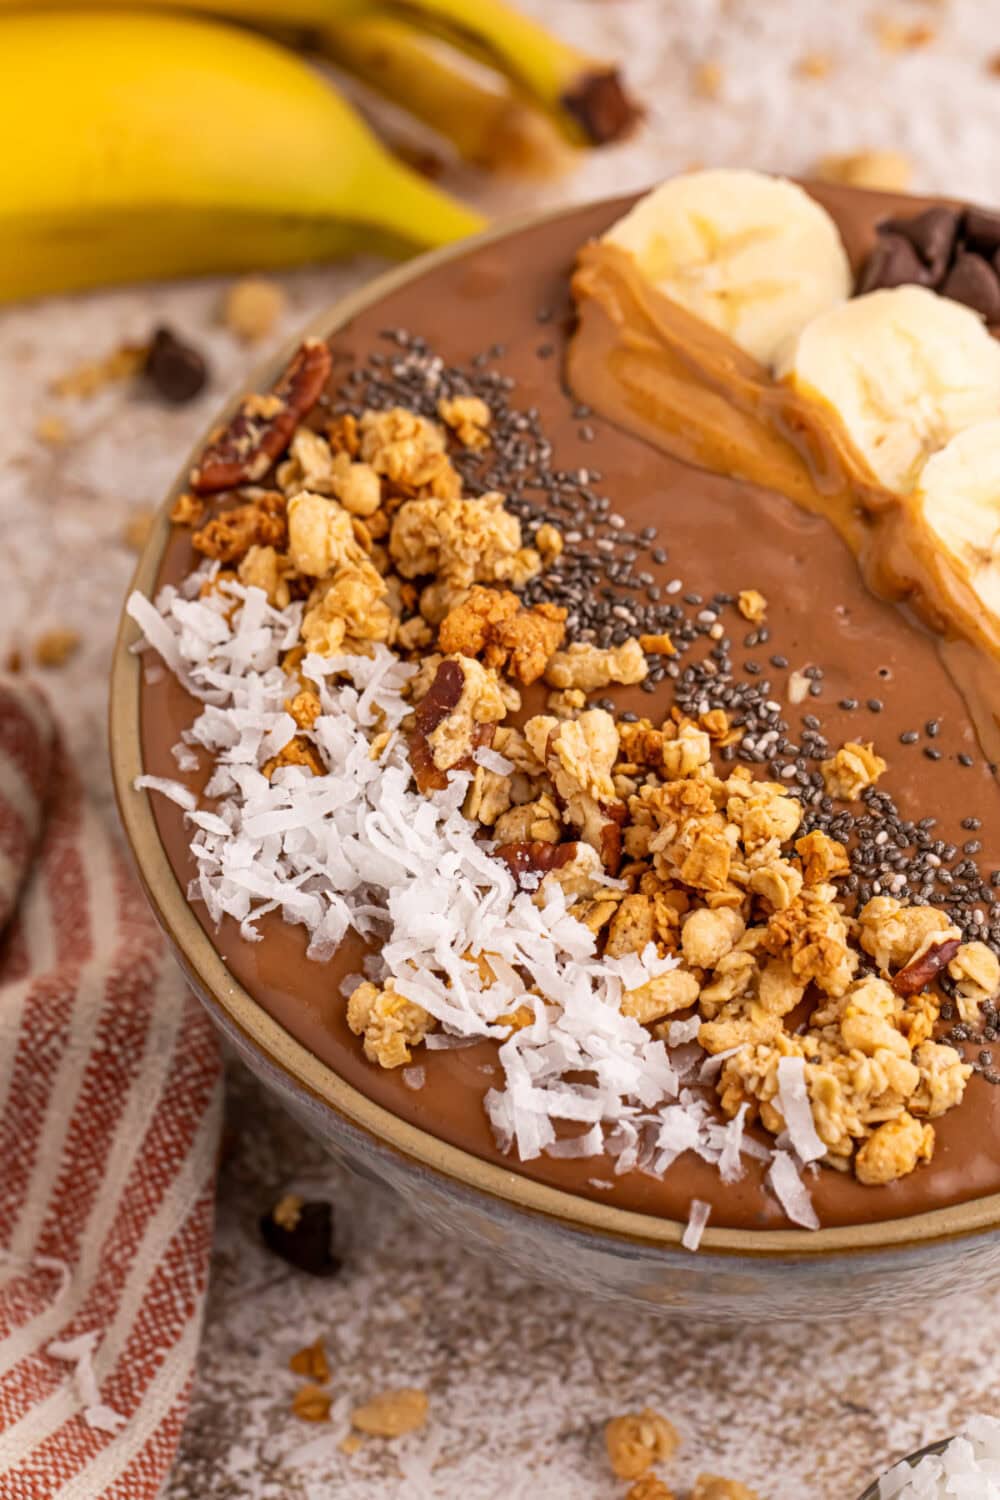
<point x="722" y="534"/>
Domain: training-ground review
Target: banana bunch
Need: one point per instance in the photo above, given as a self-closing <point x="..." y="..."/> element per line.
<point x="171" y="144"/>
<point x="911" y="378"/>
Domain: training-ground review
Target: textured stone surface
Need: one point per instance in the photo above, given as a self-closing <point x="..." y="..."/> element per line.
<point x="521" y="1378"/>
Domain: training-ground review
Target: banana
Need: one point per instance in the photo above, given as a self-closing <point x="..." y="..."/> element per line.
<point x="904" y="371"/>
<point x="171" y="145"/>
<point x="487" y="123"/>
<point x="957" y="503"/>
<point x="584" y="97"/>
<point x="750" y="254"/>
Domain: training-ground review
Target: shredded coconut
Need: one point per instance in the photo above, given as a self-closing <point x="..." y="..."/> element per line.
<point x="793" y="1101"/>
<point x="695" y="1228"/>
<point x="791" y="1191"/>
<point x="968" y="1467"/>
<point x="359" y="848"/>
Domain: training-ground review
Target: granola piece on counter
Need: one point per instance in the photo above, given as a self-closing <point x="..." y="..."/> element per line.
<point x="712" y="1487"/>
<point x="311" y="1403"/>
<point x="649" y="1488"/>
<point x="894" y="1150"/>
<point x="392" y="1413"/>
<point x="228" y="537"/>
<point x="588" y="667"/>
<point x="854" y="767"/>
<point x="637" y="1440"/>
<point x="389" y="1023"/>
<point x="54" y="648"/>
<point x="492" y="623"/>
<point x="468" y="417"/>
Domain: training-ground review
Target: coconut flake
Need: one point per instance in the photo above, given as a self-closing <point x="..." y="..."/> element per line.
<point x="492" y="760"/>
<point x="698" y="1215"/>
<point x="967" y="1469"/>
<point x="174" y="791"/>
<point x="790" y="1191"/>
<point x="793" y="1101"/>
<point x="414" y="1077"/>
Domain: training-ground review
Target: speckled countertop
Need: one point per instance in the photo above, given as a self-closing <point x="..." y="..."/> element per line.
<point x="521" y="1378"/>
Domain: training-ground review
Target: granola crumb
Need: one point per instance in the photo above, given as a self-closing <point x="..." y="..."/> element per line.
<point x="287" y="1211"/>
<point x="312" y="1363"/>
<point x="468" y="417"/>
<point x="253" y="307"/>
<point x="854" y="767"/>
<point x="93" y="375"/>
<point x="637" y="1440"/>
<point x="52" y="430"/>
<point x="649" y="1488"/>
<point x="707" y="80"/>
<point x="312" y="1404"/>
<point x="889" y="170"/>
<point x="54" y="648"/>
<point x="658" y="645"/>
<point x="899" y="36"/>
<point x="814" y="65"/>
<point x="712" y="1487"/>
<point x="351" y="1444"/>
<point x="187" y="510"/>
<point x="392" y="1413"/>
<point x="135" y="532"/>
<point x="752" y="606"/>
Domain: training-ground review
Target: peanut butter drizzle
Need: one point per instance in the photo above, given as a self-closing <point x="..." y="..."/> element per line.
<point x="655" y="369"/>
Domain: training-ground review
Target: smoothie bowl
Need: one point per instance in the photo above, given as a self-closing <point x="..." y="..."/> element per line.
<point x="553" y="725"/>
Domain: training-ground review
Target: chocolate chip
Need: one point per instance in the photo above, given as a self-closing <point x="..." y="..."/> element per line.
<point x="981" y="230"/>
<point x="177" y="371"/>
<point x="893" y="262"/>
<point x="932" y="234"/>
<point x="972" y="280"/>
<point x="302" y="1234"/>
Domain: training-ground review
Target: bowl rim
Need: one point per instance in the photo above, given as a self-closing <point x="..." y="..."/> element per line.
<point x="300" y="1067"/>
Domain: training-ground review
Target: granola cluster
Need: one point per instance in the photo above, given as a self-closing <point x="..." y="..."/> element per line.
<point x="637" y="1441"/>
<point x="652" y="837"/>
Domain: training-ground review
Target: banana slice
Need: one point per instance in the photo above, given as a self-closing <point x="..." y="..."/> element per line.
<point x="958" y="500"/>
<point x="753" y="255"/>
<point x="905" y="370"/>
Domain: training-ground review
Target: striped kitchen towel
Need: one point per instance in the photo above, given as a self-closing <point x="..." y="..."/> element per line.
<point x="110" y="1104"/>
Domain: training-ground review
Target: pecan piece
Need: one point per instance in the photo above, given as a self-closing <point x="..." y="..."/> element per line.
<point x="611" y="836"/>
<point x="535" y="857"/>
<point x="437" y="703"/>
<point x="916" y="976"/>
<point x="262" y="426"/>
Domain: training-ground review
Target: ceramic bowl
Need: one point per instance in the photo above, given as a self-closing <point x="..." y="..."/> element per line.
<point x="542" y="1231"/>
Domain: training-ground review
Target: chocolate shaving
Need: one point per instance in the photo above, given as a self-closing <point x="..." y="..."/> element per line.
<point x="262" y="426"/>
<point x="534" y="857"/>
<point x="307" y="1241"/>
<point x="916" y="976"/>
<point x="601" y="107"/>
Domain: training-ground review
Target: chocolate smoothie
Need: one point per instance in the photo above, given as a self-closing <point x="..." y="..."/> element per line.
<point x="881" y="676"/>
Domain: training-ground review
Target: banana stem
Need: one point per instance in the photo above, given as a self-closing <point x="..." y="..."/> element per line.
<point x="478" y="113"/>
<point x="585" y="97"/>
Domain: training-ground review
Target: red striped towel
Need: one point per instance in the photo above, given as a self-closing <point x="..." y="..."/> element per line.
<point x="110" y="1103"/>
